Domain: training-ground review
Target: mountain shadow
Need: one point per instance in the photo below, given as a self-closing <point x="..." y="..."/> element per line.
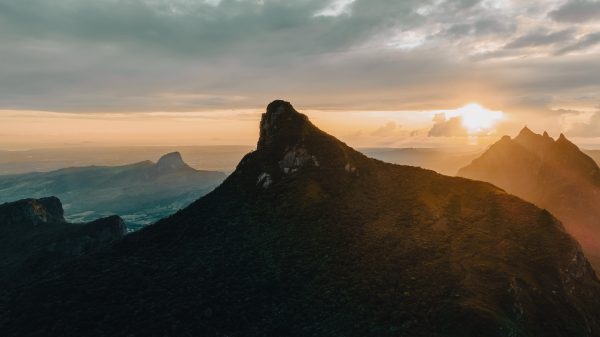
<point x="141" y="193"/>
<point x="310" y="238"/>
<point x="553" y="174"/>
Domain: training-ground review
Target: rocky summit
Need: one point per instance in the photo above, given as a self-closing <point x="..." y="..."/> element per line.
<point x="309" y="237"/>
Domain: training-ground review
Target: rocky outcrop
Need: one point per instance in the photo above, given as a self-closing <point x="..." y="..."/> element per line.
<point x="281" y="126"/>
<point x="32" y="212"/>
<point x="290" y="143"/>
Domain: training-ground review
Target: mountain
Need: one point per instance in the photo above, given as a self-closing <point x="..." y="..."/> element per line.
<point x="553" y="174"/>
<point x="308" y="237"/>
<point x="222" y="158"/>
<point x="34" y="237"/>
<point x="142" y="193"/>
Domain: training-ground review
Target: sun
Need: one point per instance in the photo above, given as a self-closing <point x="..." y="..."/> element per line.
<point x="477" y="119"/>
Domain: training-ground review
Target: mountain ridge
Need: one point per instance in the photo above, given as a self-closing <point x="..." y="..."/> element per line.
<point x="141" y="192"/>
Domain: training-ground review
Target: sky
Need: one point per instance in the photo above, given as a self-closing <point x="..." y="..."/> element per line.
<point x="371" y="72"/>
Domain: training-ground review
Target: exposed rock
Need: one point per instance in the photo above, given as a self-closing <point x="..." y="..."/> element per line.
<point x="296" y="158"/>
<point x="264" y="180"/>
<point x="32" y="212"/>
<point x="280" y="126"/>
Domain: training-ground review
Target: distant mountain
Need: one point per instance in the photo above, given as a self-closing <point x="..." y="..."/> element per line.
<point x="553" y="174"/>
<point x="141" y="193"/>
<point x="444" y="161"/>
<point x="222" y="158"/>
<point x="34" y="236"/>
<point x="309" y="237"/>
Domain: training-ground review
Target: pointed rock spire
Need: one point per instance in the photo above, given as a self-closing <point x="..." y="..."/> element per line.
<point x="290" y="144"/>
<point x="281" y="125"/>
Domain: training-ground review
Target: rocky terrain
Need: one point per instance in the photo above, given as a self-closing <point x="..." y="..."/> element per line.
<point x="309" y="237"/>
<point x="553" y="174"/>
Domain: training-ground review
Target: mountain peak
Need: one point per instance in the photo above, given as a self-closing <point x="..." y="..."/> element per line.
<point x="565" y="143"/>
<point x="289" y="144"/>
<point x="562" y="137"/>
<point x="534" y="141"/>
<point x="526" y="132"/>
<point x="170" y="161"/>
<point x="281" y="125"/>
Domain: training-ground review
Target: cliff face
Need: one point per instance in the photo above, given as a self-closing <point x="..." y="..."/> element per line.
<point x="310" y="237"/>
<point x="553" y="174"/>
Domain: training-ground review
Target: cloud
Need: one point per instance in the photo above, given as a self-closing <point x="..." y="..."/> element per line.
<point x="389" y="129"/>
<point x="439" y="117"/>
<point x="336" y="8"/>
<point x="180" y="55"/>
<point x="536" y="39"/>
<point x="451" y="127"/>
<point x="581" y="124"/>
<point x="577" y="11"/>
<point x="582" y="43"/>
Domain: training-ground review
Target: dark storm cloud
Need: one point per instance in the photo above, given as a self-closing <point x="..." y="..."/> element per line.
<point x="181" y="55"/>
<point x="577" y="11"/>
